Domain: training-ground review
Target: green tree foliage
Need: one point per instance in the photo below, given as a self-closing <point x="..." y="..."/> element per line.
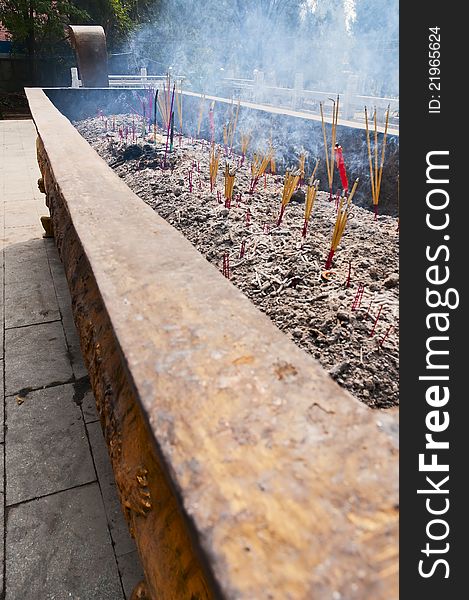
<point x="113" y="15"/>
<point x="39" y="25"/>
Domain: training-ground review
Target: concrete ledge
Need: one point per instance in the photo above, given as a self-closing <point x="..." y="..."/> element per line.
<point x="244" y="471"/>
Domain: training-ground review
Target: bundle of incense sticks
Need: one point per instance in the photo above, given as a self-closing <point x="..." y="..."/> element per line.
<point x="164" y="105"/>
<point x="376" y="173"/>
<point x="301" y="167"/>
<point x="330" y="157"/>
<point x="289" y="186"/>
<point x="314" y="170"/>
<point x="340" y="223"/>
<point x="311" y="193"/>
<point x="214" y="161"/>
<point x="259" y="165"/>
<point x="340" y="162"/>
<point x="170" y="120"/>
<point x="245" y="139"/>
<point x="229" y="184"/>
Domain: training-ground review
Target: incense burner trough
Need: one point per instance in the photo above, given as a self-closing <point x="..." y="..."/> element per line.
<point x="243" y="470"/>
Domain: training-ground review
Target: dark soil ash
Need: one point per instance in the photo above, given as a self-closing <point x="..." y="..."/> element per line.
<point x="283" y="275"/>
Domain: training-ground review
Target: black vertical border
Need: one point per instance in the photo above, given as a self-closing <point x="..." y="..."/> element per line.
<point x="421" y="132"/>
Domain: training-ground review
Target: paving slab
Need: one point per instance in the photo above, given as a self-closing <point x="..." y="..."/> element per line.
<point x="29" y="302"/>
<point x="16" y="235"/>
<point x="131" y="572"/>
<point x="58" y="548"/>
<point x="36" y="356"/>
<point x="123" y="543"/>
<point x="65" y="306"/>
<point x="46" y="445"/>
<point x="21" y="214"/>
<point x="26" y="259"/>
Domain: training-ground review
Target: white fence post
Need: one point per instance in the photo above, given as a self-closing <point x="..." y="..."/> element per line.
<point x="298" y="88"/>
<point x="350" y="99"/>
<point x="258" y="85"/>
<point x="75" y="81"/>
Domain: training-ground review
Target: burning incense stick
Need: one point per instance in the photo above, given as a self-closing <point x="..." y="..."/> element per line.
<point x="163" y="106"/>
<point x="376" y="173"/>
<point x="214" y="160"/>
<point x="229" y="183"/>
<point x="311" y="192"/>
<point x="169" y="125"/>
<point x="330" y="161"/>
<point x="259" y="165"/>
<point x="340" y="223"/>
<point x="314" y="170"/>
<point x="273" y="167"/>
<point x="340" y="163"/>
<point x="245" y="139"/>
<point x="301" y="166"/>
<point x="289" y="186"/>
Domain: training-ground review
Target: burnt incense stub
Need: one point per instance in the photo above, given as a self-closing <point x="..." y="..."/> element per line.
<point x="244" y="471"/>
<point x="89" y="43"/>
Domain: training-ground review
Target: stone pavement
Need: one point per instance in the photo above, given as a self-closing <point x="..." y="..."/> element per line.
<point x="64" y="533"/>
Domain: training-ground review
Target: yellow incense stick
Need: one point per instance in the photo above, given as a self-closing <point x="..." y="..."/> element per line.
<point x="314" y="170"/>
<point x="383" y="148"/>
<point x="311" y="197"/>
<point x="229" y="183"/>
<point x="214" y="161"/>
<point x="370" y="160"/>
<point x="325" y="145"/>
<point x="245" y="139"/>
